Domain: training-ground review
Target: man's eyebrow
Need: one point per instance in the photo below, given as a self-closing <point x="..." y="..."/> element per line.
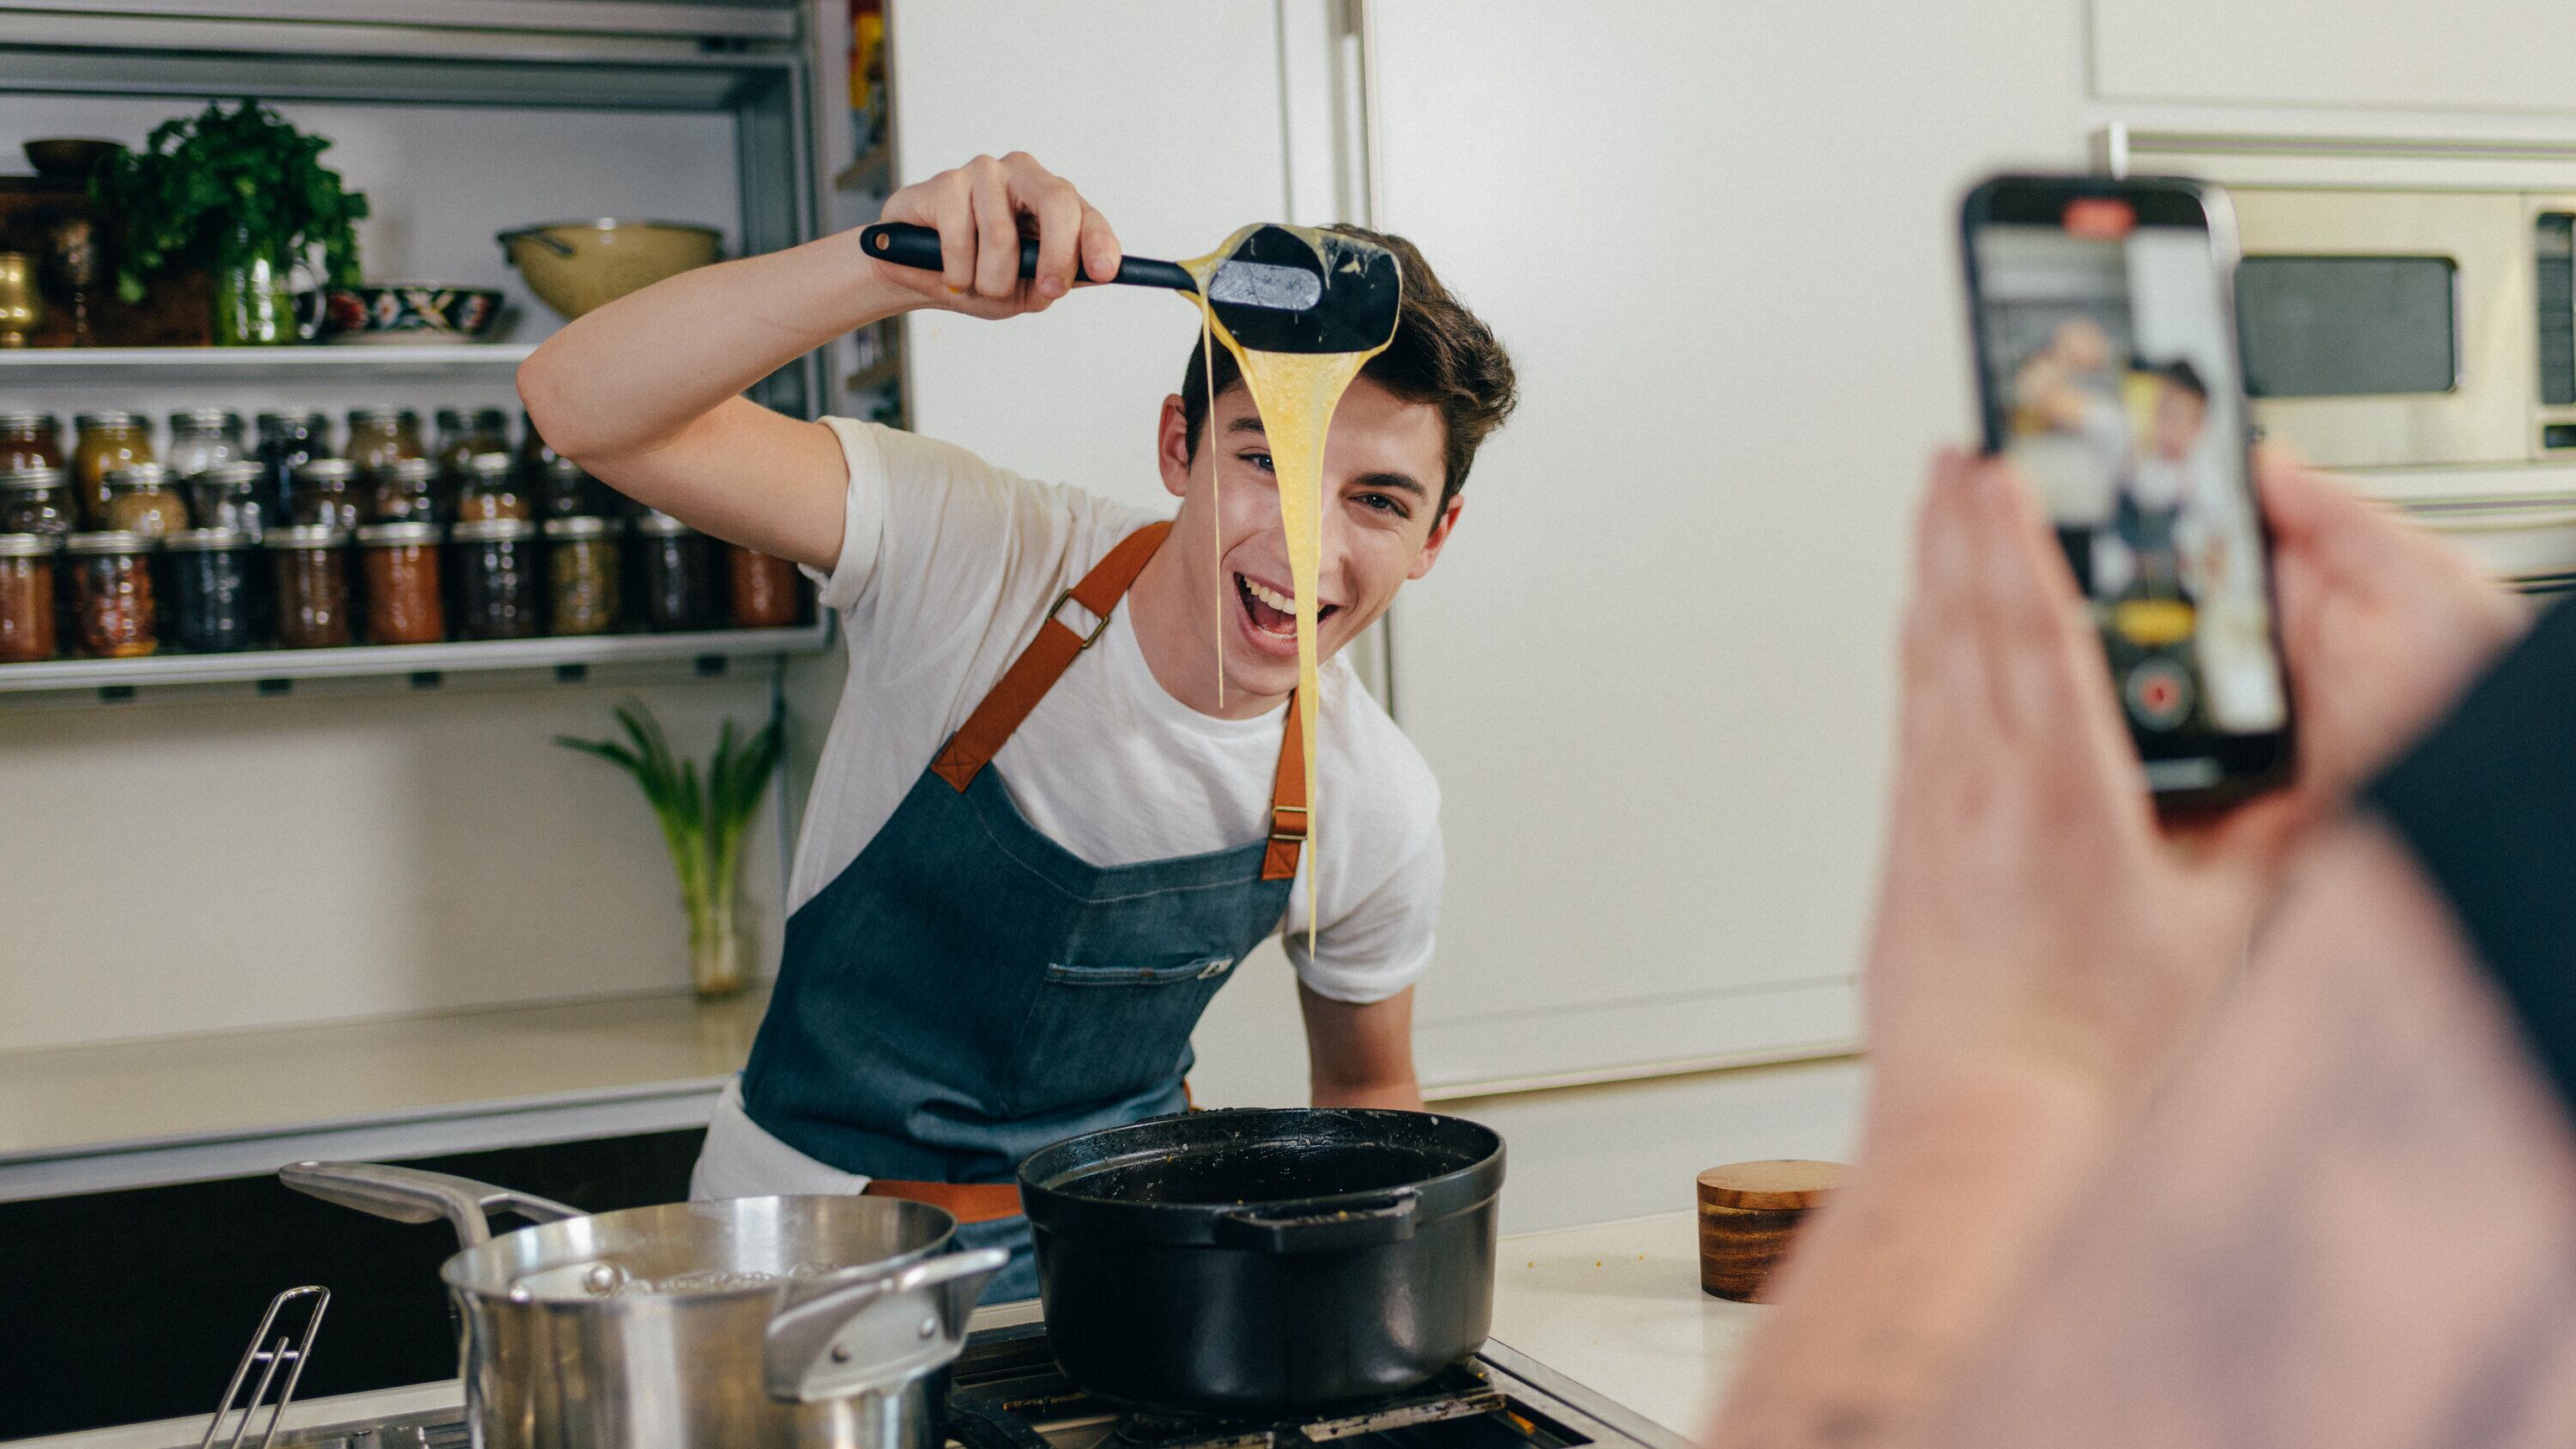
<point x="1247" y="423"/>
<point x="1393" y="482"/>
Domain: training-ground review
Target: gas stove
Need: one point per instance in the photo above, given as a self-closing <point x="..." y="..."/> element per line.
<point x="1005" y="1392"/>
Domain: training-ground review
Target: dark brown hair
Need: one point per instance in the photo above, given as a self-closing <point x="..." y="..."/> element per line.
<point x="1442" y="355"/>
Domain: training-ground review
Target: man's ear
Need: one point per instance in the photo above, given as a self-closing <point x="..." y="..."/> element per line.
<point x="1172" y="447"/>
<point x="1441" y="528"/>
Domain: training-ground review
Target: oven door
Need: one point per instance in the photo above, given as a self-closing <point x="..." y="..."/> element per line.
<point x="2390" y="328"/>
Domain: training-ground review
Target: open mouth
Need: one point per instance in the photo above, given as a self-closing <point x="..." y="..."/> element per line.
<point x="1271" y="611"/>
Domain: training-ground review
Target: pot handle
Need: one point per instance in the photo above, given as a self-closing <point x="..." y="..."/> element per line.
<point x="535" y="234"/>
<point x="409" y="1195"/>
<point x="879" y="1333"/>
<point x="1372" y="1223"/>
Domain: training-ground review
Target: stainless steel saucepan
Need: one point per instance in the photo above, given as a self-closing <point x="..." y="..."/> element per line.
<point x="754" y="1323"/>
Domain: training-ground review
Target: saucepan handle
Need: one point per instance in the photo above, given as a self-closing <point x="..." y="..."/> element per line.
<point x="409" y="1195"/>
<point x="1368" y="1224"/>
<point x="877" y="1333"/>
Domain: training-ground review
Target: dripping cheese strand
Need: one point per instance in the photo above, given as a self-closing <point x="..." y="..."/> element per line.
<point x="1216" y="503"/>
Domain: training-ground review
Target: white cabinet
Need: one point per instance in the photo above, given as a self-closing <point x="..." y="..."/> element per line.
<point x="1654" y="670"/>
<point x="2495" y="55"/>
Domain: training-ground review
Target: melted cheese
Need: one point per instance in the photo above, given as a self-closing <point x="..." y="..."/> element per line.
<point x="1296" y="393"/>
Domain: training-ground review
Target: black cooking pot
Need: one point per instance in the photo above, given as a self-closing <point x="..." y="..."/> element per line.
<point x="1265" y="1261"/>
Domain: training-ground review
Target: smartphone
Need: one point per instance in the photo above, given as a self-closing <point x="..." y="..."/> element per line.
<point x="2104" y="319"/>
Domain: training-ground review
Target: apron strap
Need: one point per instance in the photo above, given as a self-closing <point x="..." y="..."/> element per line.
<point x="1039" y="666"/>
<point x="1048" y="656"/>
<point x="968" y="1202"/>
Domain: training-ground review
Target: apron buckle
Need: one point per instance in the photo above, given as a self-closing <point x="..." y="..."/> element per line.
<point x="1215" y="968"/>
<point x="1096" y="630"/>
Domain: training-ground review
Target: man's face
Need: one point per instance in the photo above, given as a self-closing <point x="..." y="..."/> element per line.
<point x="1383" y="463"/>
<point x="2180" y="412"/>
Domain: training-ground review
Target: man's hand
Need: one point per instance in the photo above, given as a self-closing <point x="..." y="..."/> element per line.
<point x="982" y="211"/>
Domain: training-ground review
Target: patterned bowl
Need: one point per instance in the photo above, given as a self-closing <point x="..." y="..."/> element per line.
<point x="410" y="312"/>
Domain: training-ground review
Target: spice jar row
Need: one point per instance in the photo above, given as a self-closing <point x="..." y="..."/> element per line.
<point x="205" y="475"/>
<point x="121" y="593"/>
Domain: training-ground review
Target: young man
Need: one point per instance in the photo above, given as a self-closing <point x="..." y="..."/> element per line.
<point x="1041" y="834"/>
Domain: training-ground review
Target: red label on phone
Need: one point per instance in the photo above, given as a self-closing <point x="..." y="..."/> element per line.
<point x="2100" y="218"/>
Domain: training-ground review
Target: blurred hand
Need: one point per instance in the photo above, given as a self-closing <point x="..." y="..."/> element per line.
<point x="2033" y="916"/>
<point x="2383" y="623"/>
<point x="982" y="211"/>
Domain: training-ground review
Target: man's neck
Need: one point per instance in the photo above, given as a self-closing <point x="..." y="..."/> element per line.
<point x="1175" y="628"/>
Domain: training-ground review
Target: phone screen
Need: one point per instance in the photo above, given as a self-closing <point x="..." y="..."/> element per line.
<point x="2110" y="379"/>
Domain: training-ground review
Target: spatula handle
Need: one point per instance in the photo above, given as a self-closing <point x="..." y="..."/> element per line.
<point x="907" y="245"/>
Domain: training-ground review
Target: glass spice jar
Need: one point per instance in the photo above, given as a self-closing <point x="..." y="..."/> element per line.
<point x="311" y="576"/>
<point x="200" y="438"/>
<point x="226" y="495"/>
<point x="27" y="597"/>
<point x="112" y="598"/>
<point x="38" y="500"/>
<point x="675" y="576"/>
<point x="460" y="439"/>
<point x="566" y="490"/>
<point x="104" y="441"/>
<point x="29" y="439"/>
<point x="376" y="438"/>
<point x="398" y="574"/>
<point x="210" y="590"/>
<point x="767" y="594"/>
<point x="581" y="574"/>
<point x="402" y="492"/>
<point x="141" y="500"/>
<point x="491" y="491"/>
<point x="288" y="441"/>
<point x="500" y="593"/>
<point x="534" y="452"/>
<point x="326" y="494"/>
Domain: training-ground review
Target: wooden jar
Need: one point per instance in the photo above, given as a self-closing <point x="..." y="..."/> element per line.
<point x="1749" y="1213"/>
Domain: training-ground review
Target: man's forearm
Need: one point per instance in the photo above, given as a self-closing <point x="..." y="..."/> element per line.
<point x="1953" y="1195"/>
<point x="636" y="372"/>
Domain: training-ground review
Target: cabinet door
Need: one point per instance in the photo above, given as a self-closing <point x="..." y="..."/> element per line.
<point x="1654" y="669"/>
<point x="1166" y="114"/>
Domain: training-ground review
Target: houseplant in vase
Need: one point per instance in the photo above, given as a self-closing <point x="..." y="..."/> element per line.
<point x="704" y="817"/>
<point x="241" y="193"/>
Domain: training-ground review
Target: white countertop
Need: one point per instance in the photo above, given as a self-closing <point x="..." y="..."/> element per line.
<point x="1616" y="1307"/>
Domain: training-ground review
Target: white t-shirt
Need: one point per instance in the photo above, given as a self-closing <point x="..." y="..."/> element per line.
<point x="947" y="568"/>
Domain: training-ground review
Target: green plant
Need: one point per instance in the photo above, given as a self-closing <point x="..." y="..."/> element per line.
<point x="703" y="820"/>
<point x="223" y="188"/>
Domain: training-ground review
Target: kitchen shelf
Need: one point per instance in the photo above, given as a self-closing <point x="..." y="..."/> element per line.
<point x="258" y="364"/>
<point x="398" y="660"/>
<point x="872" y="172"/>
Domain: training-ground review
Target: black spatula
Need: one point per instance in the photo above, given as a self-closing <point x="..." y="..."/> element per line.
<point x="1272" y="289"/>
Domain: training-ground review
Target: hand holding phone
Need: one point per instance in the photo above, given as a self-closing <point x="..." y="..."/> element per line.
<point x="2108" y="374"/>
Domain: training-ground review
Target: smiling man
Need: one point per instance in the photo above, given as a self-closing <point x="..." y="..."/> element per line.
<point x="1042" y="832"/>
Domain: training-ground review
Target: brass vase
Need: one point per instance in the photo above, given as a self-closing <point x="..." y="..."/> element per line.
<point x="21" y="312"/>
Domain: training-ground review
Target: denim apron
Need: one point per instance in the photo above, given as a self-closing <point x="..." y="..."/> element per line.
<point x="968" y="991"/>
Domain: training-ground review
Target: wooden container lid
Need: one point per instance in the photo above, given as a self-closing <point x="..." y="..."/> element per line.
<point x="1780" y="1183"/>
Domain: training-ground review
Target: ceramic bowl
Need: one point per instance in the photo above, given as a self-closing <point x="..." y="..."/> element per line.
<point x="69" y="156"/>
<point x="574" y="266"/>
<point x="411" y="312"/>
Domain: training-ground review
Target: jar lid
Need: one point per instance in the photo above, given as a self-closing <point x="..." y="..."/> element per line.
<point x="359" y="417"/>
<point x="451" y="420"/>
<point x="139" y="475"/>
<point x="20" y="419"/>
<point x="307" y="535"/>
<point x="489" y="465"/>
<point x="658" y="524"/>
<point x="204" y="418"/>
<point x="587" y="525"/>
<point x="32" y="478"/>
<point x="279" y="422"/>
<point x="230" y="475"/>
<point x="22" y="545"/>
<point x="106" y="541"/>
<point x="204" y="540"/>
<point x="493" y="530"/>
<point x="378" y="534"/>
<point x="1772" y="1185"/>
<point x="407" y="470"/>
<point x="326" y="470"/>
<point x="496" y="419"/>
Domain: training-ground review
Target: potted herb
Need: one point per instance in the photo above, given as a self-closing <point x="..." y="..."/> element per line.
<point x="241" y="193"/>
<point x="703" y="821"/>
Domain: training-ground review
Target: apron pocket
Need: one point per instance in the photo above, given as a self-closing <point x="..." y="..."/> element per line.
<point x="1097" y="1033"/>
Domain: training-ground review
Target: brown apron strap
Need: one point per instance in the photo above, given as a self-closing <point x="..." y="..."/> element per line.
<point x="1039" y="666"/>
<point x="1287" y="801"/>
<point x="968" y="1202"/>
